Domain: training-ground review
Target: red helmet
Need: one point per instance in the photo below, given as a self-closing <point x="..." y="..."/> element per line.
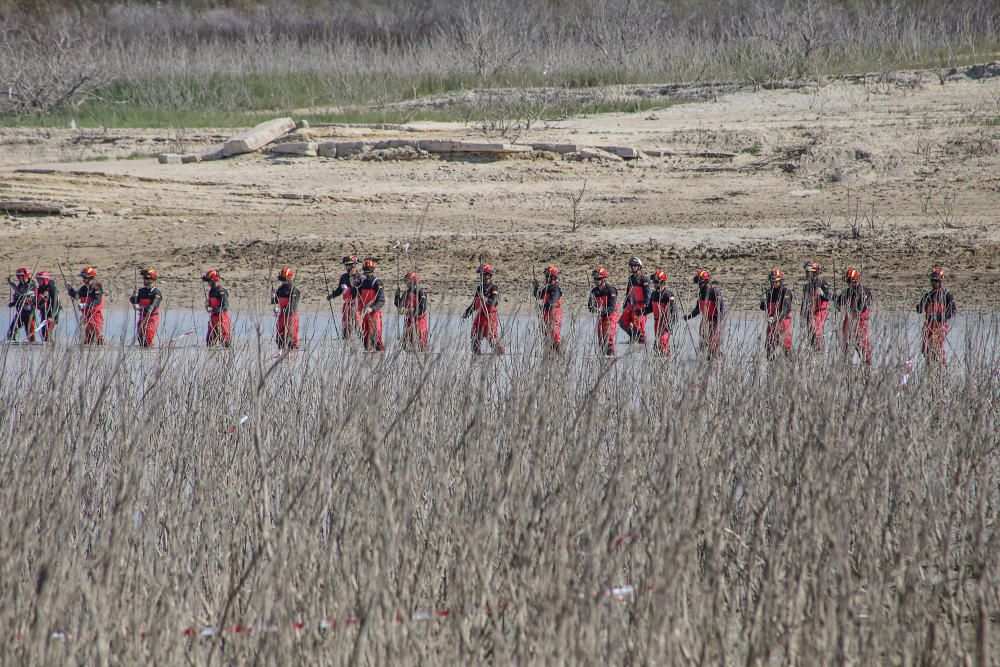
<point x="412" y="275"/>
<point x="369" y="265"/>
<point x="44" y="276"/>
<point x="351" y="260"/>
<point x="486" y="269"/>
<point x="812" y="267"/>
<point x="551" y="271"/>
<point x="286" y="273"/>
<point x="23" y="272"/>
<point x="659" y="276"/>
<point x="937" y="274"/>
<point x="88" y="272"/>
<point x="211" y="276"/>
<point x="775" y="276"/>
<point x="852" y="276"/>
<point x="701" y="277"/>
<point x="599" y="273"/>
<point x="149" y="273"/>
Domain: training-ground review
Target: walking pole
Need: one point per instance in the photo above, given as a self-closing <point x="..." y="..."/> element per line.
<point x="333" y="315"/>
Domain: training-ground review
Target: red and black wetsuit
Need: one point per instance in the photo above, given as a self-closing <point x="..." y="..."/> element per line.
<point x="937" y="307"/>
<point x="287" y="297"/>
<point x="486" y="323"/>
<point x="350" y="312"/>
<point x="663" y="306"/>
<point x="777" y="302"/>
<point x="633" y="319"/>
<point x="815" y="300"/>
<point x="370" y="301"/>
<point x="416" y="331"/>
<point x="550" y="295"/>
<point x="91" y="299"/>
<point x="219" y="325"/>
<point x="711" y="307"/>
<point x="604" y="302"/>
<point x="856" y="302"/>
<point x="23" y="303"/>
<point x="148" y="300"/>
<point x="49" y="307"/>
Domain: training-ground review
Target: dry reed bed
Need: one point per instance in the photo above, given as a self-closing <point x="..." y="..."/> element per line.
<point x="763" y="514"/>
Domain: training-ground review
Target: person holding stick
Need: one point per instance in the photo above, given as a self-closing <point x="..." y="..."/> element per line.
<point x="286" y="301"/>
<point x="217" y="305"/>
<point x="371" y="299"/>
<point x="349" y="283"/>
<point x="146" y="300"/>
<point x="22" y="300"/>
<point x="486" y="323"/>
<point x="549" y="297"/>
<point x="856" y="302"/>
<point x="815" y="301"/>
<point x="47" y="303"/>
<point x="711" y="308"/>
<point x="777" y="303"/>
<point x="412" y="305"/>
<point x="90" y="296"/>
<point x="663" y="306"/>
<point x="603" y="302"/>
<point x="937" y="307"/>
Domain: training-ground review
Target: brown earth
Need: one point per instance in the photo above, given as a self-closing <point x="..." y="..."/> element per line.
<point x="915" y="163"/>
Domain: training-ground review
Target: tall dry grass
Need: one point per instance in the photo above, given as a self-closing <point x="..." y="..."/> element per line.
<point x="808" y="514"/>
<point x="185" y="56"/>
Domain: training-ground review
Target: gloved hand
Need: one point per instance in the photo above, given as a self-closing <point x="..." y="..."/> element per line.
<point x="772" y="320"/>
<point x="592" y="309"/>
<point x="329" y="297"/>
<point x="465" y="315"/>
<point x="367" y="310"/>
<point x="276" y="310"/>
<point x="687" y="317"/>
<point x="534" y="283"/>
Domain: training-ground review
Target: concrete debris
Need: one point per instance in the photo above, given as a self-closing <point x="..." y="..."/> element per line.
<point x="258" y="137"/>
<point x="587" y="153"/>
<point x="169" y="158"/>
<point x="300" y="148"/>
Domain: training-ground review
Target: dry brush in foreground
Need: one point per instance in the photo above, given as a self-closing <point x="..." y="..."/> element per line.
<point x="760" y="514"/>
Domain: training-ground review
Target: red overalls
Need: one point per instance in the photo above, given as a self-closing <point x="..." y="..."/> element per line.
<point x="606" y="324"/>
<point x="552" y="319"/>
<point x="371" y="323"/>
<point x="149" y="321"/>
<point x="633" y="319"/>
<point x="416" y="331"/>
<point x="219" y="327"/>
<point x="485" y="323"/>
<point x="288" y="325"/>
<point x="661" y="323"/>
<point x="855" y="334"/>
<point x="93" y="319"/>
<point x="709" y="327"/>
<point x="780" y="332"/>
<point x="815" y="311"/>
<point x="934" y="332"/>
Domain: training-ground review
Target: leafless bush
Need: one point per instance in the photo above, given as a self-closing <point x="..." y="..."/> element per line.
<point x="945" y="213"/>
<point x="555" y="507"/>
<point x="47" y="70"/>
<point x="859" y="219"/>
<point x="576" y="208"/>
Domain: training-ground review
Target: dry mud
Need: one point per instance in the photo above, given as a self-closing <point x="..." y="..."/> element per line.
<point x="913" y="163"/>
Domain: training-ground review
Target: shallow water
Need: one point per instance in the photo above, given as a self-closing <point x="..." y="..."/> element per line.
<point x="895" y="338"/>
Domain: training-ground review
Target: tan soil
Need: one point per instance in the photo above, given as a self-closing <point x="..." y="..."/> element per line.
<point x="926" y="156"/>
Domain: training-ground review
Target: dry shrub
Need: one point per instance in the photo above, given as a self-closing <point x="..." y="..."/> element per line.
<point x="804" y="514"/>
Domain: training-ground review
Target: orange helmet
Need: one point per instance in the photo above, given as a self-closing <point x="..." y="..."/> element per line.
<point x="149" y="273"/>
<point x="937" y="274"/>
<point x="88" y="272"/>
<point x="44" y="276"/>
<point x="350" y="260"/>
<point x="23" y="272"/>
<point x="701" y="277"/>
<point x="551" y="271"/>
<point x="852" y="276"/>
<point x="412" y="275"/>
<point x="286" y="273"/>
<point x="486" y="269"/>
<point x="775" y="276"/>
<point x="211" y="276"/>
<point x="659" y="276"/>
<point x="812" y="267"/>
<point x="599" y="273"/>
<point x="369" y="265"/>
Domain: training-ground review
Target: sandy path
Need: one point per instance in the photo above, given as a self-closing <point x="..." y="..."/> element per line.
<point x="922" y="158"/>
